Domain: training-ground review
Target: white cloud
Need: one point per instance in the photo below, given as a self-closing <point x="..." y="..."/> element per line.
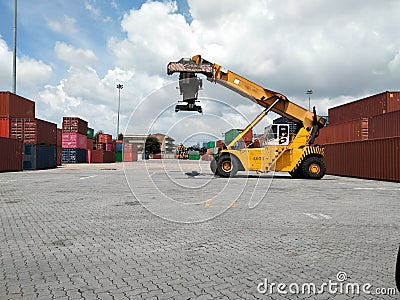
<point x="74" y="56"/>
<point x="67" y="25"/>
<point x="91" y="8"/>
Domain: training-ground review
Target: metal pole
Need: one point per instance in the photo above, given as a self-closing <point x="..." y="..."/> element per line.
<point x="14" y="83"/>
<point x="119" y="87"/>
<point x="309" y="92"/>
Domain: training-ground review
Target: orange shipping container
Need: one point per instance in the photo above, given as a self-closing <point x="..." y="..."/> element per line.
<point x="130" y="156"/>
<point x="387" y="125"/>
<point x="14" y="106"/>
<point x="34" y="131"/>
<point x="5" y="127"/>
<point x="90" y="144"/>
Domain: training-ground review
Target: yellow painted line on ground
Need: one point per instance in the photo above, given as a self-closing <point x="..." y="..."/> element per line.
<point x="208" y="204"/>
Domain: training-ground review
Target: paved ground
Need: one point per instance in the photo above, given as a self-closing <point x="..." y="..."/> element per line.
<point x="78" y="232"/>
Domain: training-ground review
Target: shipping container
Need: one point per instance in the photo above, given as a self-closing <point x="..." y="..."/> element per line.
<point x="118" y="156"/>
<point x="284" y="120"/>
<point x="157" y="156"/>
<point x="59" y="156"/>
<point x="231" y="134"/>
<point x="100" y="156"/>
<point x="372" y="159"/>
<point x="129" y="147"/>
<point x="88" y="155"/>
<point x="393" y="101"/>
<point x="100" y="146"/>
<point x="104" y="138"/>
<point x="90" y="133"/>
<point x="211" y="144"/>
<point x="40" y="157"/>
<point x="74" y="125"/>
<point x="119" y="146"/>
<point x="59" y="137"/>
<point x="11" y="153"/>
<point x="73" y="155"/>
<point x="90" y="144"/>
<point x="5" y="127"/>
<point x="130" y="156"/>
<point x="365" y="108"/>
<point x="351" y="131"/>
<point x="220" y="144"/>
<point x="74" y="140"/>
<point x="383" y="126"/>
<point x="194" y="157"/>
<point x="110" y="147"/>
<point x="33" y="131"/>
<point x="14" y="106"/>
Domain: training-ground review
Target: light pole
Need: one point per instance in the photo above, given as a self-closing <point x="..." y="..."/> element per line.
<point x="119" y="87"/>
<point x="309" y="92"/>
<point x="14" y="81"/>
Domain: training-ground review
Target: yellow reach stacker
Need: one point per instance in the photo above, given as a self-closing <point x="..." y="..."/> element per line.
<point x="278" y="150"/>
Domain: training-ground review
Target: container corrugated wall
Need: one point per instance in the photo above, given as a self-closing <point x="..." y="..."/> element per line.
<point x="372" y="159"/>
<point x="393" y="101"/>
<point x="356" y="130"/>
<point x="387" y="125"/>
<point x="15" y="106"/>
<point x="363" y="108"/>
<point x="12" y="150"/>
<point x="74" y="125"/>
<point x="5" y="127"/>
<point x="73" y="155"/>
<point x="33" y="131"/>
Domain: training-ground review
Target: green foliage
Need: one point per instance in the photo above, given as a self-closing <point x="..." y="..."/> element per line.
<point x="152" y="145"/>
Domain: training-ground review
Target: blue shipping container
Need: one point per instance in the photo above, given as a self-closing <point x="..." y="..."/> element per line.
<point x="118" y="147"/>
<point x="73" y="155"/>
<point x="38" y="157"/>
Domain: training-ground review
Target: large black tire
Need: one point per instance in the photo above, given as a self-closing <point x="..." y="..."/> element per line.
<point x="227" y="166"/>
<point x="213" y="166"/>
<point x="297" y="174"/>
<point x="313" y="168"/>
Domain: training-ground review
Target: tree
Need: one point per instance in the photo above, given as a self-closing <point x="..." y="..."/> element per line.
<point x="96" y="136"/>
<point x="120" y="137"/>
<point x="152" y="145"/>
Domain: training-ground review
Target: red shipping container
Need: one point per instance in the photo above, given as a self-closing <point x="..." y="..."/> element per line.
<point x="59" y="137"/>
<point x="384" y="126"/>
<point x="101" y="156"/>
<point x="34" y="131"/>
<point x="157" y="156"/>
<point x="373" y="159"/>
<point x="100" y="146"/>
<point x="393" y="101"/>
<point x="14" y="106"/>
<point x="74" y="140"/>
<point x="104" y="138"/>
<point x="365" y="108"/>
<point x="356" y="130"/>
<point x="90" y="144"/>
<point x="74" y="125"/>
<point x="11" y="153"/>
<point x="110" y="147"/>
<point x="220" y="144"/>
<point x="4" y="127"/>
<point x="130" y="156"/>
<point x="59" y="155"/>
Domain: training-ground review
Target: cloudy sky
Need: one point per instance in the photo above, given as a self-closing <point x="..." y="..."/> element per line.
<point x="71" y="54"/>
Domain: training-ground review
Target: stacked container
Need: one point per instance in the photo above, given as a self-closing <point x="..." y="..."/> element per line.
<point x="363" y="138"/>
<point x="104" y="149"/>
<point x="40" y="142"/>
<point x="233" y="133"/>
<point x="130" y="152"/>
<point x="74" y="140"/>
<point x="11" y="153"/>
<point x="119" y="147"/>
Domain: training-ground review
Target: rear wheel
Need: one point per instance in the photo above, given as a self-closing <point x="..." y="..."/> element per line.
<point x="227" y="166"/>
<point x="313" y="168"/>
<point x="213" y="166"/>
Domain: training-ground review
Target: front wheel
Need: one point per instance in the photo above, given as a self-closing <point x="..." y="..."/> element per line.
<point x="313" y="168"/>
<point x="227" y="166"/>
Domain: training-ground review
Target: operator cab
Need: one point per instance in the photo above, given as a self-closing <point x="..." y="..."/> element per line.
<point x="276" y="135"/>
